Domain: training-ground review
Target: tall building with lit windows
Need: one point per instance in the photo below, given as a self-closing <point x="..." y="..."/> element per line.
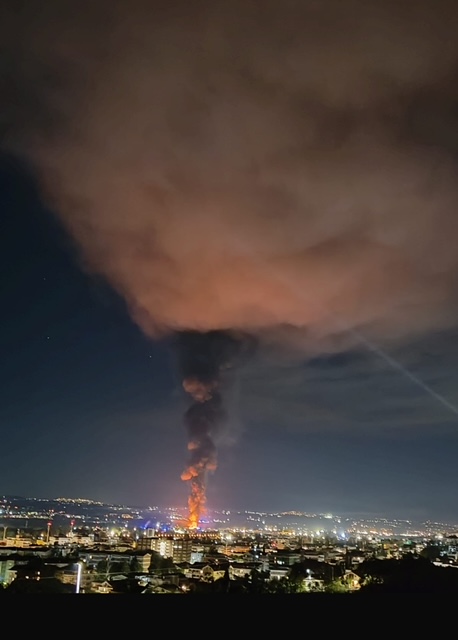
<point x="177" y="548"/>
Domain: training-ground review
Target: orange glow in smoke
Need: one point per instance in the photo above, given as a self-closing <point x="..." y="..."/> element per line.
<point x="200" y="391"/>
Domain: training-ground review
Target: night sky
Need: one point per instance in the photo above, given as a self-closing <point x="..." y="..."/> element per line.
<point x="176" y="168"/>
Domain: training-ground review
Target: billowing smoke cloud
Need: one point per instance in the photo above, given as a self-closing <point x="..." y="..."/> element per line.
<point x="248" y="163"/>
<point x="244" y="164"/>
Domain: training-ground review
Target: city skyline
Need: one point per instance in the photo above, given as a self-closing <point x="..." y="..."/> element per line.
<point x="93" y="548"/>
<point x="202" y="181"/>
<point x="68" y="514"/>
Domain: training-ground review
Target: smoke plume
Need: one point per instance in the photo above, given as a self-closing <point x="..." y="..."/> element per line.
<point x="203" y="357"/>
<point x="245" y="164"/>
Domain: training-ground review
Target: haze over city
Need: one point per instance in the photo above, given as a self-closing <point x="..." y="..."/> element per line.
<point x="229" y="265"/>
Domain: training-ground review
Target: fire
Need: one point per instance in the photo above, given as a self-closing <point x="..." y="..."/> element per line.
<point x="203" y="454"/>
<point x="196" y="502"/>
<point x="203" y="356"/>
<point x="195" y="475"/>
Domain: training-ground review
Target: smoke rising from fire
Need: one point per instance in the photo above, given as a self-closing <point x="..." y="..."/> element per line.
<point x="203" y="358"/>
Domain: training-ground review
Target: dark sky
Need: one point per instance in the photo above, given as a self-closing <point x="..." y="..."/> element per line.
<point x="91" y="408"/>
<point x="286" y="171"/>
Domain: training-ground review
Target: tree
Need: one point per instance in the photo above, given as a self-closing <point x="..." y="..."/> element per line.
<point x="308" y="567"/>
<point x="336" y="586"/>
<point x="282" y="585"/>
<point x="430" y="552"/>
<point x="37" y="577"/>
<point x="45" y="585"/>
<point x="134" y="565"/>
<point x="159" y="563"/>
<point x="409" y="575"/>
<point x="103" y="567"/>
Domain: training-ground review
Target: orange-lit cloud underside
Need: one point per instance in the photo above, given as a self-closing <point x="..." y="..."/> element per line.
<point x="276" y="163"/>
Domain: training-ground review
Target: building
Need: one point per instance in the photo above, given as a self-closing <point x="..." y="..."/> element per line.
<point x="285" y="558"/>
<point x="351" y="580"/>
<point x="177" y="548"/>
<point x="143" y="561"/>
<point x="203" y="571"/>
<point x="80" y="540"/>
<point x="196" y="556"/>
<point x="277" y="574"/>
<point x="242" y="569"/>
<point x="39" y="552"/>
<point x="93" y="558"/>
<point x="21" y="542"/>
<point x="313" y="584"/>
<point x="101" y="587"/>
<point x="7" y="574"/>
<point x="311" y="554"/>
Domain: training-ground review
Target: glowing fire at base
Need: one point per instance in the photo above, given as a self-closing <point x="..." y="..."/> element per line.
<point x="197" y="498"/>
<point x="196" y="503"/>
<point x="203" y="460"/>
<point x="203" y="356"/>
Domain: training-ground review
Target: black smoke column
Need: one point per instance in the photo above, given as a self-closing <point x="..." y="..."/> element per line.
<point x="203" y="356"/>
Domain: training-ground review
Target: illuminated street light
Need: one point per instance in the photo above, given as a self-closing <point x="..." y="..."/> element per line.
<point x="78" y="576"/>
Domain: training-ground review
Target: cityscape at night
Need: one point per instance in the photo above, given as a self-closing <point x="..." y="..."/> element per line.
<point x="84" y="546"/>
<point x="228" y="275"/>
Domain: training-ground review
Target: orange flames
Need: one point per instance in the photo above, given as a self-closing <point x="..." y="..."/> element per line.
<point x="196" y="502"/>
<point x="195" y="474"/>
<point x="200" y="444"/>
